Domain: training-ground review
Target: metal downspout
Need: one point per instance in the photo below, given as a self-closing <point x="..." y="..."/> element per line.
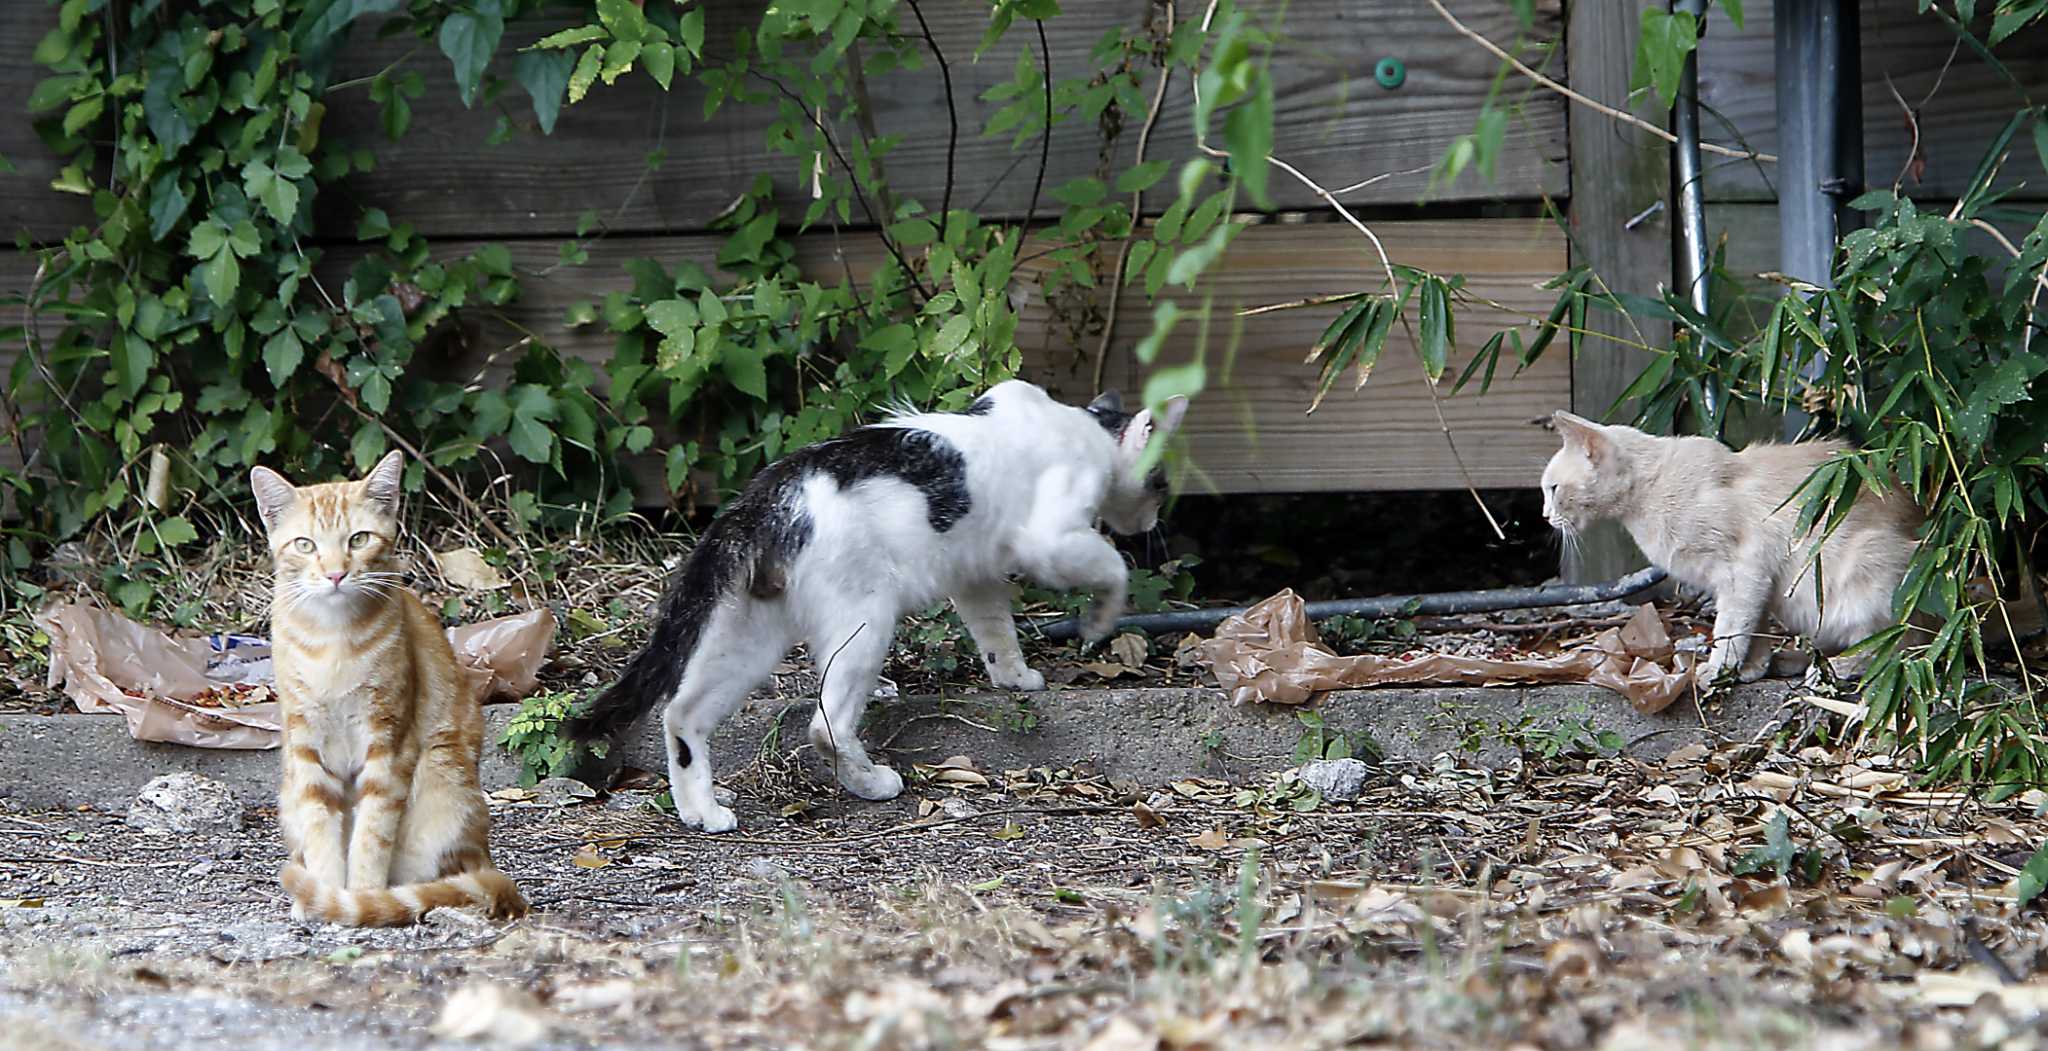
<point x="1689" y="205"/>
<point x="1820" y="141"/>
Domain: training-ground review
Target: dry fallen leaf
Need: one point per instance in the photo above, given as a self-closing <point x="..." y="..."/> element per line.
<point x="465" y="568"/>
<point x="1107" y="670"/>
<point x="1130" y="649"/>
<point x="1147" y="817"/>
<point x="1214" y="839"/>
<point x="492" y="1014"/>
<point x="1010" y="830"/>
<point x="587" y="857"/>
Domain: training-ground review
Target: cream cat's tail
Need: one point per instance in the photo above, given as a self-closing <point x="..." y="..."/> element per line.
<point x="487" y="888"/>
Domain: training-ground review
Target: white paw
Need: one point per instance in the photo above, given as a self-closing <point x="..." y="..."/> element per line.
<point x="1753" y="673"/>
<point x="875" y="783"/>
<point x="1027" y="680"/>
<point x="714" y="818"/>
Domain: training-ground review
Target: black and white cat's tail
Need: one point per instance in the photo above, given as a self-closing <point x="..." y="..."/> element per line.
<point x="732" y="552"/>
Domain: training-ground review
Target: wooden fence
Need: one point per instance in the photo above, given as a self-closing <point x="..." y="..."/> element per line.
<point x="1336" y="123"/>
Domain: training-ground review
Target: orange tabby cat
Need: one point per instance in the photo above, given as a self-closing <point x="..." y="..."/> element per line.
<point x="380" y="805"/>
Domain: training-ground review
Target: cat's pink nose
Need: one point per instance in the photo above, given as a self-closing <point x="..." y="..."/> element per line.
<point x="335" y="578"/>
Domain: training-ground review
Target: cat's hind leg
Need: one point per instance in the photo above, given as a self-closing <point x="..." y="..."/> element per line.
<point x="985" y="609"/>
<point x="849" y="653"/>
<point x="738" y="650"/>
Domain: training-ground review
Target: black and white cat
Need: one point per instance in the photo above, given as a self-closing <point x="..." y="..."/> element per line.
<point x="836" y="542"/>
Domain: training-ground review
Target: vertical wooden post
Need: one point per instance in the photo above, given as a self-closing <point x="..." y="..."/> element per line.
<point x="1618" y="174"/>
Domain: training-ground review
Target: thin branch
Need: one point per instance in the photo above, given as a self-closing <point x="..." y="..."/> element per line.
<point x="1045" y="137"/>
<point x="1598" y="107"/>
<point x="2040" y="281"/>
<point x="952" y="115"/>
<point x="1116" y="277"/>
<point x="882" y="188"/>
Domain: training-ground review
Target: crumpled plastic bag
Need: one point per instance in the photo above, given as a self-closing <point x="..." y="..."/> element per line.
<point x="1271" y="653"/>
<point x="108" y="663"/>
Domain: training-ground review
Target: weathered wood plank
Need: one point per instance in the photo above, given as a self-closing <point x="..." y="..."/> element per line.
<point x="1249" y="433"/>
<point x="1617" y="173"/>
<point x="1901" y="49"/>
<point x="1336" y="123"/>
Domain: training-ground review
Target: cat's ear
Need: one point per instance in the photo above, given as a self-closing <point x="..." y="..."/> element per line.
<point x="274" y="495"/>
<point x="1138" y="433"/>
<point x="1109" y="402"/>
<point x="1583" y="434"/>
<point x="386" y="482"/>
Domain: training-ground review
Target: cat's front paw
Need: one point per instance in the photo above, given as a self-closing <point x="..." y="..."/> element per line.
<point x="1714" y="676"/>
<point x="876" y="783"/>
<point x="1100" y="622"/>
<point x="713" y="818"/>
<point x="1026" y="680"/>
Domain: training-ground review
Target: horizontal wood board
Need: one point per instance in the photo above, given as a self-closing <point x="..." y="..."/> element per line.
<point x="1248" y="433"/>
<point x="1335" y="122"/>
<point x="1901" y="49"/>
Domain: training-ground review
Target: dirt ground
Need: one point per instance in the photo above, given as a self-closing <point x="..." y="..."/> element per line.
<point x="1571" y="903"/>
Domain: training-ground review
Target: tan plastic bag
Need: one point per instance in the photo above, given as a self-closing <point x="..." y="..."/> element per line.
<point x="165" y="687"/>
<point x="1271" y="652"/>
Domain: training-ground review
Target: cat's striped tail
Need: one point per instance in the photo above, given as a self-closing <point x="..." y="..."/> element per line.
<point x="487" y="888"/>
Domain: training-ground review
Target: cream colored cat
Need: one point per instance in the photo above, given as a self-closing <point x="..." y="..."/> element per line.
<point x="380" y="805"/>
<point x="1719" y="520"/>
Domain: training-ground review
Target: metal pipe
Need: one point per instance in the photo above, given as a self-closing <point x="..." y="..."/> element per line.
<point x="1440" y="604"/>
<point x="1820" y="141"/>
<point x="1689" y="233"/>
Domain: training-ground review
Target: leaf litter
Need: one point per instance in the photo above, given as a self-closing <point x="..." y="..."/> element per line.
<point x="1731" y="896"/>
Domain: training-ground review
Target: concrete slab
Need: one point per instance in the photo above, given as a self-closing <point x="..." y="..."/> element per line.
<point x="1148" y="735"/>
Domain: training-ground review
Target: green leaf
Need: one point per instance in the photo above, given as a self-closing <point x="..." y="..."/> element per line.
<point x="2032" y="879"/>
<point x="1080" y="192"/>
<point x="624" y="19"/>
<point x="81" y="116"/>
<point x="1435" y="337"/>
<point x="691" y="28"/>
<point x="671" y="316"/>
<point x="222" y="275"/>
<point x="529" y="435"/>
<point x="897" y="343"/>
<point x="1248" y="131"/>
<point x="1183" y="381"/>
<point x="570" y="37"/>
<point x="545" y="76"/>
<point x="659" y="59"/>
<point x="747" y="370"/>
<point x="468" y="38"/>
<point x="1165" y="315"/>
<point x="914" y="233"/>
<point x="282" y="354"/>
<point x="207" y="240"/>
<point x="175" y="532"/>
<point x="952" y="335"/>
<point x="1487" y="137"/>
<point x="167" y="203"/>
<point x="1734" y="9"/>
<point x="585" y="73"/>
<point x="1142" y="176"/>
<point x="1668" y="37"/>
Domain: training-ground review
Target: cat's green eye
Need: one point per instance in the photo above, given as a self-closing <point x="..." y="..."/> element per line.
<point x="303" y="546"/>
<point x="360" y="540"/>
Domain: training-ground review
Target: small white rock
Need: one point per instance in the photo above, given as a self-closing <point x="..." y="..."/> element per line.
<point x="185" y="803"/>
<point x="956" y="808"/>
<point x="1339" y="780"/>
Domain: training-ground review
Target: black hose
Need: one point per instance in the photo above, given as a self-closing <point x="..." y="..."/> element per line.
<point x="1443" y="603"/>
